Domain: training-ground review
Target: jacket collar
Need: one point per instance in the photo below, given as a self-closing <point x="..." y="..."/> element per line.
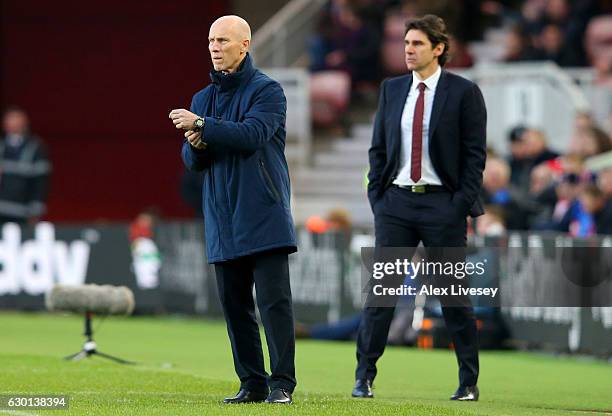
<point x="438" y="104"/>
<point x="225" y="82"/>
<point x="431" y="82"/>
<point x="399" y="100"/>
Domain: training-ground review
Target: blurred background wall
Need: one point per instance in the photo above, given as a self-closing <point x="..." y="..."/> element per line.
<point x="98" y="79"/>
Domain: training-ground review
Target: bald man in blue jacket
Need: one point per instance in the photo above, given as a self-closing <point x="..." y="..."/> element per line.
<point x="235" y="134"/>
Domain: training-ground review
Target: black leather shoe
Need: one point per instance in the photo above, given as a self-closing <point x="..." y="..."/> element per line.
<point x="279" y="396"/>
<point x="466" y="394"/>
<point x="363" y="389"/>
<point x="246" y="396"/>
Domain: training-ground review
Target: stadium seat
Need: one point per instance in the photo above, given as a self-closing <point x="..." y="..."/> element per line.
<point x="330" y="93"/>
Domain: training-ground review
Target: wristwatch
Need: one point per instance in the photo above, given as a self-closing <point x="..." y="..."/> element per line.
<point x="198" y="124"/>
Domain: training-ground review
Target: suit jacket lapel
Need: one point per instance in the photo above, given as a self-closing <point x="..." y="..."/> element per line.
<point x="438" y="104"/>
<point x="397" y="108"/>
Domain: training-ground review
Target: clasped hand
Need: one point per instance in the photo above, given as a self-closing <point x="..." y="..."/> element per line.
<point x="185" y="120"/>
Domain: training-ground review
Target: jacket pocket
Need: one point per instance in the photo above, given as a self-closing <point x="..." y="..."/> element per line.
<point x="268" y="182"/>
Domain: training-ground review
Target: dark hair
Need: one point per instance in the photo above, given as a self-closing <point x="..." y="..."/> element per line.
<point x="516" y="134"/>
<point x="435" y="29"/>
<point x="571" y="178"/>
<point x="601" y="139"/>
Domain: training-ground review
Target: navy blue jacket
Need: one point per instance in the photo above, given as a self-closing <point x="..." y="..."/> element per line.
<point x="457" y="139"/>
<point x="246" y="179"/>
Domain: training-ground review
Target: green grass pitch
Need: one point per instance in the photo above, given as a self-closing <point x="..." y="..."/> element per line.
<point x="185" y="368"/>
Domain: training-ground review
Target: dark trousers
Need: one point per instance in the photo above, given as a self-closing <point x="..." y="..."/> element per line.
<point x="269" y="272"/>
<point x="403" y="219"/>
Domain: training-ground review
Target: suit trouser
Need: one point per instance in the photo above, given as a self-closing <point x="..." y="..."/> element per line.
<point x="403" y="219"/>
<point x="269" y="272"/>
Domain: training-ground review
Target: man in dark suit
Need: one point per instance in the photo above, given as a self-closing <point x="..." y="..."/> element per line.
<point x="426" y="162"/>
<point x="235" y="135"/>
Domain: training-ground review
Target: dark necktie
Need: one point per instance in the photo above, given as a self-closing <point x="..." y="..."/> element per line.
<point x="417" y="135"/>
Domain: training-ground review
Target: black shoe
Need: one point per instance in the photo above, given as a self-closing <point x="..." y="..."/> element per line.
<point x="246" y="396"/>
<point x="466" y="394"/>
<point x="279" y="396"/>
<point x="363" y="389"/>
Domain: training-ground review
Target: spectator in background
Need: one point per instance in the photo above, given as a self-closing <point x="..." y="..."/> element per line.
<point x="528" y="149"/>
<point x="493" y="13"/>
<point x="518" y="160"/>
<point x="24" y="170"/>
<point x="603" y="72"/>
<point x="542" y="177"/>
<point x="531" y="11"/>
<point x="348" y="40"/>
<point x="537" y="148"/>
<point x="587" y="137"/>
<point x="571" y="164"/>
<point x="322" y="43"/>
<point x="557" y="11"/>
<point x="604" y="182"/>
<point x="542" y="190"/>
<point x="143" y="226"/>
<point x="589" y="142"/>
<point x="146" y="258"/>
<point x="595" y="219"/>
<point x="570" y="18"/>
<point x="582" y="122"/>
<point x="567" y="210"/>
<point x="340" y="222"/>
<point x="498" y="192"/>
<point x="518" y="46"/>
<point x="335" y="228"/>
<point x="554" y="47"/>
<point x="581" y="222"/>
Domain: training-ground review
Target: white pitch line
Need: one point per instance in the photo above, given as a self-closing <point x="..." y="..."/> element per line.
<point x="18" y="413"/>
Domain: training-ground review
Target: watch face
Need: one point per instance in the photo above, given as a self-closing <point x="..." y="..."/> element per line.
<point x="199" y="122"/>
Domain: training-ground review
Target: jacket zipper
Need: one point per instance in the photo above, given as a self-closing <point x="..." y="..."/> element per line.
<point x="269" y="180"/>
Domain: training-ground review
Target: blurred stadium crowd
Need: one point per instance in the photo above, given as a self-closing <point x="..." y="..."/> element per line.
<point x="359" y="42"/>
<point x="538" y="189"/>
<point x="352" y="35"/>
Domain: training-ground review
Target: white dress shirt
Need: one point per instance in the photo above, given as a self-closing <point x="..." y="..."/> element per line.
<point x="428" y="174"/>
